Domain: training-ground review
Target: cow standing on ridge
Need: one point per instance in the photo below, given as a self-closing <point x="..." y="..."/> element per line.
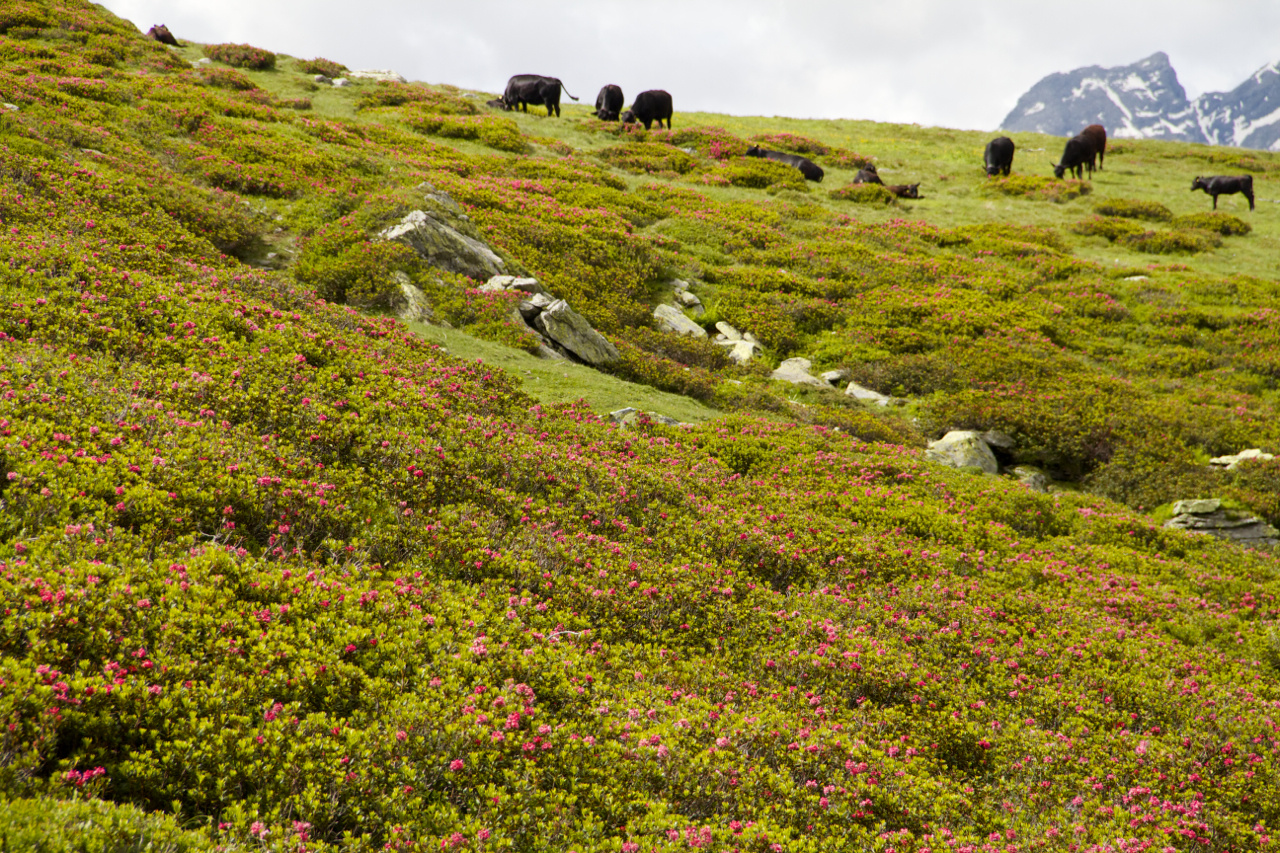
<point x="525" y="89"/>
<point x="811" y="170"/>
<point x="998" y="158"/>
<point x="1225" y="185"/>
<point x="650" y="106"/>
<point x="609" y="103"/>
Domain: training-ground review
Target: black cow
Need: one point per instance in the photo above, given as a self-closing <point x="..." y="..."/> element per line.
<point x="653" y="105"/>
<point x="609" y="103"/>
<point x="1096" y="135"/>
<point x="1225" y="185"/>
<point x="1076" y="157"/>
<point x="998" y="158"/>
<point x="811" y="170"/>
<point x="867" y="175"/>
<point x="525" y="89"/>
<point x="905" y="190"/>
<point x="497" y="104"/>
<point x="161" y="33"/>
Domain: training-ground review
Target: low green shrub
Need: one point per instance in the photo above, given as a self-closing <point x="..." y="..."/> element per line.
<point x="426" y="100"/>
<point x="1132" y="208"/>
<point x="494" y="131"/>
<point x="758" y="173"/>
<point x="1111" y="227"/>
<point x="1218" y="223"/>
<point x="650" y="158"/>
<point x="344" y="266"/>
<point x="327" y="67"/>
<point x="301" y="104"/>
<point x="839" y="158"/>
<point x="1038" y="187"/>
<point x="75" y="826"/>
<point x="791" y="142"/>
<point x="241" y="56"/>
<point x="1039" y="235"/>
<point x="227" y="78"/>
<point x="863" y="194"/>
<point x="1177" y="240"/>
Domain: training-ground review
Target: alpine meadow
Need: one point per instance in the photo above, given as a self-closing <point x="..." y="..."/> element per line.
<point x="312" y="540"/>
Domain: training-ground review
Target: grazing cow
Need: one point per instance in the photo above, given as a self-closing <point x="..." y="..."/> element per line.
<point x="1225" y="185"/>
<point x="1096" y="135"/>
<point x="811" y="170"/>
<point x="496" y="103"/>
<point x="905" y="190"/>
<point x="161" y="34"/>
<point x="609" y="103"/>
<point x="1076" y="157"/>
<point x="998" y="158"/>
<point x="867" y="175"/>
<point x="653" y="105"/>
<point x="525" y="89"/>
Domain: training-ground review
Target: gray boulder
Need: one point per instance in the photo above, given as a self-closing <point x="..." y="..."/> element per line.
<point x="340" y="82"/>
<point x="996" y="438"/>
<point x="1208" y="517"/>
<point x="1197" y="506"/>
<point x="729" y="332"/>
<point x="1032" y="478"/>
<point x="376" y="74"/>
<point x="323" y="80"/>
<point x="796" y="371"/>
<point x="443" y="246"/>
<point x="835" y="377"/>
<point x="962" y="449"/>
<point x="570" y="330"/>
<point x="741" y="352"/>
<point x="413" y="307"/>
<point x="668" y="318"/>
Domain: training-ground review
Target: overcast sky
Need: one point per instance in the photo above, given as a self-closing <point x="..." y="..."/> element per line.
<point x="952" y="63"/>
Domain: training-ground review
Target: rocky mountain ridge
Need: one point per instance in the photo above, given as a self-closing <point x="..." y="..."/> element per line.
<point x="1145" y="100"/>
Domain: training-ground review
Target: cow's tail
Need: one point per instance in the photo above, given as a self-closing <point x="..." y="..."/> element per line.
<point x="566" y="91"/>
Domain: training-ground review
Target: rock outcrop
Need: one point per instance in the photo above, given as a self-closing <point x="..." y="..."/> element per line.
<point x="571" y="330"/>
<point x="413" y="306"/>
<point x="1230" y="463"/>
<point x="742" y="345"/>
<point x="1208" y="516"/>
<point x="443" y="246"/>
<point x="669" y="318"/>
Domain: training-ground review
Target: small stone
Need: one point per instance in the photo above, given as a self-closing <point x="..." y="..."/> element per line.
<point x="528" y="311"/>
<point x="687" y="298"/>
<point x="1136" y="278"/>
<point x="728" y="331"/>
<point x="377" y="74"/>
<point x="796" y="371"/>
<point x="618" y="415"/>
<point x="835" y="377"/>
<point x="747" y="336"/>
<point x="671" y="319"/>
<point x="341" y="82"/>
<point x="203" y="61"/>
<point x="323" y="80"/>
<point x="858" y="392"/>
<point x="13" y="108"/>
<point x="679" y="285"/>
<point x="1202" y="506"/>
<point x="526" y="285"/>
<point x="1032" y="478"/>
<point x="961" y="449"/>
<point x="1230" y="463"/>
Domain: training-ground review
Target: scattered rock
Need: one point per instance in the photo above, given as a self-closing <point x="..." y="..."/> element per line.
<point x="323" y="80"/>
<point x="444" y="247"/>
<point x="414" y="308"/>
<point x="1136" y="278"/>
<point x="617" y="415"/>
<point x="858" y="392"/>
<point x="679" y="285"/>
<point x="13" y="108"/>
<point x="382" y="76"/>
<point x="339" y="82"/>
<point x="546" y="352"/>
<point x="961" y="449"/>
<point x="204" y="60"/>
<point x="741" y="352"/>
<point x="630" y="416"/>
<point x="570" y="330"/>
<point x="729" y="332"/>
<point x="1032" y="478"/>
<point x="796" y="371"/>
<point x="1208" y="516"/>
<point x="747" y="336"/>
<point x="671" y="319"/>
<point x="1231" y="462"/>
<point x="530" y="308"/>
<point x="835" y="377"/>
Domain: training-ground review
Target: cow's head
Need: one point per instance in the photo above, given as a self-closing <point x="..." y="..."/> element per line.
<point x="754" y="151"/>
<point x="1199" y="184"/>
<point x="992" y="170"/>
<point x="1058" y="170"/>
<point x="629" y="117"/>
<point x="909" y="191"/>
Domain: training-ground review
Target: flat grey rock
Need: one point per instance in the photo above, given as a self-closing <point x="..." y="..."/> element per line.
<point x="796" y="371"/>
<point x="963" y="449"/>
<point x="1202" y="506"/>
<point x="669" y="318"/>
<point x="835" y="377"/>
<point x="1230" y="463"/>
<point x="444" y="247"/>
<point x="571" y="330"/>
<point x="729" y="332"/>
<point x="860" y="393"/>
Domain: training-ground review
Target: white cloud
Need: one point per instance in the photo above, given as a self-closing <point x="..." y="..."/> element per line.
<point x="957" y="64"/>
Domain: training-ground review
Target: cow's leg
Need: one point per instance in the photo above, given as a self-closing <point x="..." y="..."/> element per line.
<point x="1215" y="201"/>
<point x="1250" y="197"/>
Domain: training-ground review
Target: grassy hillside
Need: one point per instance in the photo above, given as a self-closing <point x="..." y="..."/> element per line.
<point x="279" y="572"/>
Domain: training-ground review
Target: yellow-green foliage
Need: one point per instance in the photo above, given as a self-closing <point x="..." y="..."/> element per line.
<point x="1111" y="227"/>
<point x="1037" y="187"/>
<point x="426" y="100"/>
<point x="1177" y="240"/>
<point x="319" y="65"/>
<point x="650" y="158"/>
<point x="494" y="131"/>
<point x="755" y="173"/>
<point x="1132" y="208"/>
<point x="864" y="194"/>
<point x="1218" y="223"/>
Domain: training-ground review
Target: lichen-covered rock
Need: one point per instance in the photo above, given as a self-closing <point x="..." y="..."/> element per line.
<point x="858" y="392"/>
<point x="1230" y="463"/>
<point x="1207" y="516"/>
<point x="796" y="371"/>
<point x="1031" y="477"/>
<point x="444" y="247"/>
<point x="740" y="352"/>
<point x="962" y="449"/>
<point x="413" y="307"/>
<point x="380" y="75"/>
<point x="669" y="318"/>
<point x="571" y="330"/>
<point x="729" y="332"/>
<point x="1197" y="506"/>
<point x="835" y="377"/>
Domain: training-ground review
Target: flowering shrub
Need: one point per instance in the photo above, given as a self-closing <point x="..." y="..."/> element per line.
<point x="792" y="142"/>
<point x="319" y="65"/>
<point x="345" y="266"/>
<point x="241" y="56"/>
<point x="1038" y="187"/>
<point x="428" y="100"/>
<point x="1185" y="240"/>
<point x="1218" y="223"/>
<point x="841" y="159"/>
<point x="1111" y="227"/>
<point x="227" y="78"/>
<point x="649" y="157"/>
<point x="863" y="194"/>
<point x="495" y="131"/>
<point x="759" y="173"/>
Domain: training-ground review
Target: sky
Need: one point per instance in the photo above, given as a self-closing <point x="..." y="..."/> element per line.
<point x="948" y="63"/>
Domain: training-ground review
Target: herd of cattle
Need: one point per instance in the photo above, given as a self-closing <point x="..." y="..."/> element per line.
<point x="1085" y="151"/>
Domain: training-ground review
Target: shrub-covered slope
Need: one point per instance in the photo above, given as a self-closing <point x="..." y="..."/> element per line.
<point x="284" y="574"/>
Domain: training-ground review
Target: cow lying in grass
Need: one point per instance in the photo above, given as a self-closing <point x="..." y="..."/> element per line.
<point x="811" y="170"/>
<point x="904" y="190"/>
<point x="1225" y="185"/>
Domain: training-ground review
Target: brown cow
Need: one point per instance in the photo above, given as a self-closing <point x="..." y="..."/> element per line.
<point x="1096" y="135"/>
